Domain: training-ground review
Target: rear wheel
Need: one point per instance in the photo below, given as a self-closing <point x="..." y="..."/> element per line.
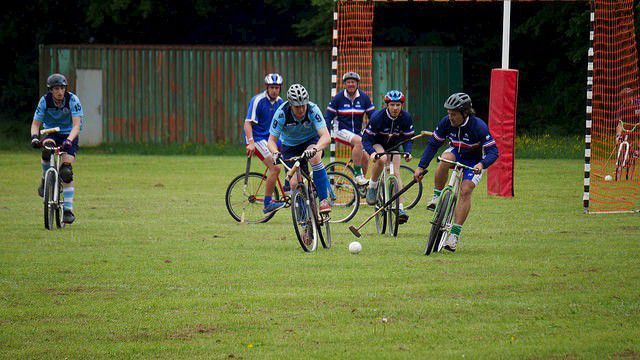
<point x="381" y="217"/>
<point x="342" y="167"/>
<point x="303" y="219"/>
<point x="249" y="201"/>
<point x="49" y="199"/>
<point x="344" y="197"/>
<point x="437" y="225"/>
<point x="392" y="214"/>
<point x="413" y="195"/>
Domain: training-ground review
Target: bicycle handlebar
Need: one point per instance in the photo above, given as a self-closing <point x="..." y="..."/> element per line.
<point x="379" y="155"/>
<point x="49" y="131"/>
<point x="457" y="164"/>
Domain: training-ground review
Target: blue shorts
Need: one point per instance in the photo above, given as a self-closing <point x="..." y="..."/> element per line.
<point x="60" y="138"/>
<point x="296" y="150"/>
<point x="467" y="174"/>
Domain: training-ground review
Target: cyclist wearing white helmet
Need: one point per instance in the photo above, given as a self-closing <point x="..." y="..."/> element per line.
<point x="256" y="130"/>
<point x="299" y="124"/>
<point x="470" y="144"/>
<point x="346" y="113"/>
<point x="59" y="108"/>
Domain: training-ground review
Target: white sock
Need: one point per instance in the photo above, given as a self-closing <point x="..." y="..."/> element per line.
<point x="373" y="184"/>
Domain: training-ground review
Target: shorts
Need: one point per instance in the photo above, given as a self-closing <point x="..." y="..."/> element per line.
<point x="344" y="136"/>
<point x="262" y="151"/>
<point x="467" y="174"/>
<point x="60" y="138"/>
<point x="292" y="151"/>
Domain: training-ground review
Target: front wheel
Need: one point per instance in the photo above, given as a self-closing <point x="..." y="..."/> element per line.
<point x="344" y="197"/>
<point x="394" y="208"/>
<point x="49" y="201"/>
<point x="437" y="224"/>
<point x="246" y="203"/>
<point x="381" y="217"/>
<point x="303" y="218"/>
<point x="59" y="209"/>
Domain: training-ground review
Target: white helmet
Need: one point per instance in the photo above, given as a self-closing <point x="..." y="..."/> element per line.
<point x="273" y="79"/>
<point x="297" y="95"/>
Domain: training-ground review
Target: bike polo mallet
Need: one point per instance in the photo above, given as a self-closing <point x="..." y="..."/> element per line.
<point x="422" y="133"/>
<point x="356" y="231"/>
<point x="244" y="187"/>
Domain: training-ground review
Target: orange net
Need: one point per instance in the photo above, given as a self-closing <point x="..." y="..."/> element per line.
<point x="354" y="49"/>
<point x="615" y="138"/>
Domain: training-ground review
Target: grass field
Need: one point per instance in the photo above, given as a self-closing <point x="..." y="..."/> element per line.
<point x="155" y="267"/>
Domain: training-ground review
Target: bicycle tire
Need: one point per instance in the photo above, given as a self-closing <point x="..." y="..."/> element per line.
<point x="346" y="203"/>
<point x="324" y="233"/>
<point x="49" y="194"/>
<point x="394" y="222"/>
<point x="381" y="217"/>
<point x="255" y="184"/>
<point x="59" y="209"/>
<point x="415" y="193"/>
<point x="437" y="223"/>
<point x="304" y="221"/>
<point x="342" y="167"/>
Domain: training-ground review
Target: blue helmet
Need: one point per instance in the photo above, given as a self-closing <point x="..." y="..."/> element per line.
<point x="394" y="96"/>
<point x="273" y="79"/>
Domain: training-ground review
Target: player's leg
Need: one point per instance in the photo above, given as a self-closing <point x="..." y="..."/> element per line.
<point x="469" y="182"/>
<point x="68" y="188"/>
<point x="272" y="176"/>
<point x="403" y="217"/>
<point x="441" y="175"/>
<point x="359" y="160"/>
<point x="320" y="178"/>
<point x="376" y="170"/>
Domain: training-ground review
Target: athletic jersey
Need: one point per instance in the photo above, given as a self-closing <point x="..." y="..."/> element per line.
<point x="52" y="116"/>
<point x="292" y="131"/>
<point x="260" y="113"/>
<point x="388" y="132"/>
<point x="472" y="139"/>
<point x="348" y="113"/>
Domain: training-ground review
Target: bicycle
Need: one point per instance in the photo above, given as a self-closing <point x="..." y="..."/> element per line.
<point x="443" y="215"/>
<point x="623" y="160"/>
<point x="245" y="195"/>
<point x="305" y="212"/>
<point x="388" y="186"/>
<point x="53" y="195"/>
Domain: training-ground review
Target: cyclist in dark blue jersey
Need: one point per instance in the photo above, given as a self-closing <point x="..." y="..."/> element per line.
<point x="345" y="115"/>
<point x="59" y="108"/>
<point x="470" y="144"/>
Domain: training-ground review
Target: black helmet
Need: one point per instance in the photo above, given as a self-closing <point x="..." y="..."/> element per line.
<point x="459" y="102"/>
<point x="56" y="80"/>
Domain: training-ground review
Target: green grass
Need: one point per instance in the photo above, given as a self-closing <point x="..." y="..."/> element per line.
<point x="156" y="268"/>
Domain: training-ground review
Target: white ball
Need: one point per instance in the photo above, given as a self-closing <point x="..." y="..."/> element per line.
<point x="608" y="178"/>
<point x="355" y="247"/>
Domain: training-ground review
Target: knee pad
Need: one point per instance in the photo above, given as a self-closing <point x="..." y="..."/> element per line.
<point x="66" y="173"/>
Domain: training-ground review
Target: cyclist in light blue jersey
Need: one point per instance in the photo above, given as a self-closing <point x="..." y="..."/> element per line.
<point x="301" y="128"/>
<point x="59" y="108"/>
<point x="261" y="109"/>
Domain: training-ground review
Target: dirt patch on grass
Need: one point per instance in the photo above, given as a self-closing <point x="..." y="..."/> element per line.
<point x="627" y="354"/>
<point x="192" y="331"/>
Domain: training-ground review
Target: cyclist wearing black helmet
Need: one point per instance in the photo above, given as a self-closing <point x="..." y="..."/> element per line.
<point x="345" y="115"/>
<point x="59" y="108"/>
<point x="470" y="144"/>
<point x="387" y="128"/>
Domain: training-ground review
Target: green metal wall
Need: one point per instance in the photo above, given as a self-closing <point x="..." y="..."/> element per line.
<point x="172" y="94"/>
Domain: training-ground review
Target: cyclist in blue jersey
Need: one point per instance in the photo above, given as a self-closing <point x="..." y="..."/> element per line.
<point x="470" y="144"/>
<point x="301" y="128"/>
<point x="261" y="109"/>
<point x="346" y="113"/>
<point x="59" y="108"/>
<point x="387" y="128"/>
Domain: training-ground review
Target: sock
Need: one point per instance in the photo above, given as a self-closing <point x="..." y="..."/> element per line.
<point x="267" y="200"/>
<point x="287" y="185"/>
<point x="401" y="207"/>
<point x="45" y="167"/>
<point x="357" y="169"/>
<point x="456" y="229"/>
<point x="373" y="184"/>
<point x="436" y="192"/>
<point x="68" y="191"/>
<point x="321" y="180"/>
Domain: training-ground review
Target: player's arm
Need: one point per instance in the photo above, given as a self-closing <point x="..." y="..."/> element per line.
<point x="76" y="117"/>
<point x="277" y="124"/>
<point x="434" y="143"/>
<point x="321" y="128"/>
<point x="368" y="138"/>
<point x="75" y="130"/>
<point x="489" y="149"/>
<point x="331" y="112"/>
<point x="38" y="118"/>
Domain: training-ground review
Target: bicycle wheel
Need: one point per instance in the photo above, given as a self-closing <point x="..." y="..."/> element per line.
<point x="413" y="195"/>
<point x="59" y="208"/>
<point x="392" y="214"/>
<point x="381" y="217"/>
<point x="342" y="167"/>
<point x="324" y="232"/>
<point x="49" y="199"/>
<point x="344" y="196"/>
<point x="435" y="235"/>
<point x="303" y="219"/>
<point x="249" y="200"/>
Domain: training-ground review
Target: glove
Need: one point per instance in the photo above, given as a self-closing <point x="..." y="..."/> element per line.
<point x="308" y="154"/>
<point x="276" y="155"/>
<point x="35" y="142"/>
<point x="66" y="145"/>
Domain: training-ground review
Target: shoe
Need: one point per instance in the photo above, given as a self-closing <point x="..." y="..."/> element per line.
<point x="41" y="188"/>
<point x="68" y="217"/>
<point x="325" y="206"/>
<point x="402" y="217"/>
<point x="451" y="243"/>
<point x="371" y="196"/>
<point x="273" y="206"/>
<point x="361" y="180"/>
<point x="431" y="205"/>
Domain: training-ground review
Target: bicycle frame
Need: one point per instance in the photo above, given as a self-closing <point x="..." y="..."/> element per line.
<point x="55" y="204"/>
